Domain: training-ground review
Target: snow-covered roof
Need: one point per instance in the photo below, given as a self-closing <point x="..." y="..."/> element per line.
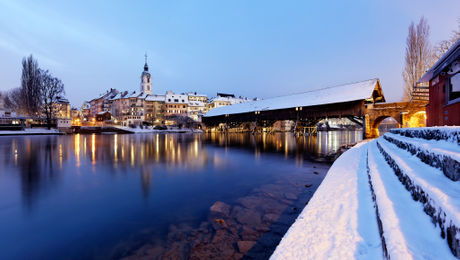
<point x="445" y="60"/>
<point x="343" y="93"/>
<point x="143" y="95"/>
<point x="117" y="96"/>
<point x="155" y="98"/>
<point x="133" y="95"/>
<point x="194" y="94"/>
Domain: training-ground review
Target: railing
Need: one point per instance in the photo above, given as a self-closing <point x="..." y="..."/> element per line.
<point x="420" y="93"/>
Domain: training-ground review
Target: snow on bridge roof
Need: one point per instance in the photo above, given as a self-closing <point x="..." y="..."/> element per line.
<point x="338" y="94"/>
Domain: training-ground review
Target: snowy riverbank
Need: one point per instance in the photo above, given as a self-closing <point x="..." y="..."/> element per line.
<point x="394" y="197"/>
<point x="32" y="131"/>
<point x="139" y="130"/>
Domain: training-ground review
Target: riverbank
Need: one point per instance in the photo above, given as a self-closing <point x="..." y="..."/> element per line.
<point x="249" y="227"/>
<point x="32" y="131"/>
<point x="97" y="130"/>
<point x="393" y="197"/>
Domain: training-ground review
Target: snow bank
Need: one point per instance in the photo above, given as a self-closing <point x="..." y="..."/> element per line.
<point x="388" y="198"/>
<point x="446" y="133"/>
<point x="32" y="131"/>
<point x="144" y="130"/>
<point x="339" y="222"/>
<point x="438" y="154"/>
<point x="439" y="196"/>
<point x="402" y="217"/>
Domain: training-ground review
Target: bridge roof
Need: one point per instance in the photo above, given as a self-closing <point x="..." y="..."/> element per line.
<point x="344" y="93"/>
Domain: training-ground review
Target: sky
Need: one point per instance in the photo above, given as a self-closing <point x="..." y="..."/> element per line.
<point x="250" y="48"/>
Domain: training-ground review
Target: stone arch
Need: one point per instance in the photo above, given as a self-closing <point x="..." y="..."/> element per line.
<point x="416" y="119"/>
<point x="374" y="124"/>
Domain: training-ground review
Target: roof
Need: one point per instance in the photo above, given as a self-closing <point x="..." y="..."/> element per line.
<point x="450" y="56"/>
<point x="155" y="98"/>
<point x="225" y="95"/>
<point x="143" y="95"/>
<point x="338" y="94"/>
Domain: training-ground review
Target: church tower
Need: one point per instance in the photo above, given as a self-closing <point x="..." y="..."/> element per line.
<point x="146" y="79"/>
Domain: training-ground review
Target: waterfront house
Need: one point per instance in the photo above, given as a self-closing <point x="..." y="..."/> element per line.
<point x="444" y="89"/>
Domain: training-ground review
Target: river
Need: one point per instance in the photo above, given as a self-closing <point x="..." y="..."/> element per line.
<point x="137" y="196"/>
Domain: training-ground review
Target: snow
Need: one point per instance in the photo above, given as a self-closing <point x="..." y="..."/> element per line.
<point x="439" y="147"/>
<point x="444" y="192"/>
<point x="344" y="93"/>
<point x="339" y="222"/>
<point x="378" y="201"/>
<point x="446" y="133"/>
<point x="155" y="98"/>
<point x="402" y="217"/>
<point x="144" y="130"/>
<point x="31" y="131"/>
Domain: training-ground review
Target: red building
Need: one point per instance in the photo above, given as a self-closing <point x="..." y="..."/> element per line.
<point x="444" y="96"/>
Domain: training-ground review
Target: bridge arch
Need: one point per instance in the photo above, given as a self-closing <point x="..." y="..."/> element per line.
<point x="416" y="119"/>
<point x="375" y="123"/>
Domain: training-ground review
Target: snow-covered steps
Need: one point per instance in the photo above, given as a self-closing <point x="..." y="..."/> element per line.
<point x="446" y="133"/>
<point x="387" y="198"/>
<point x="440" y="154"/>
<point x="407" y="232"/>
<point x="339" y="221"/>
<point x="438" y="196"/>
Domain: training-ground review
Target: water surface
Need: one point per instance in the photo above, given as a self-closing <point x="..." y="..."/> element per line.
<point x="149" y="195"/>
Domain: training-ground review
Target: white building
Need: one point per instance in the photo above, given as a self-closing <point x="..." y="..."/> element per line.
<point x="176" y="104"/>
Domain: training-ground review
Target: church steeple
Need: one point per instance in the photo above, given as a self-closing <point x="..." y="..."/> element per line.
<point x="146" y="81"/>
<point x="146" y="67"/>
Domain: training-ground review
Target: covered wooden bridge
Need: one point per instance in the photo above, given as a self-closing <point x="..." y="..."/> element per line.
<point x="362" y="102"/>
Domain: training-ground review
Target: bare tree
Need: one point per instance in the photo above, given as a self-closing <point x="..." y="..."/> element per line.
<point x="418" y="58"/>
<point x="443" y="46"/>
<point x="13" y="100"/>
<point x="51" y="89"/>
<point x="30" y="86"/>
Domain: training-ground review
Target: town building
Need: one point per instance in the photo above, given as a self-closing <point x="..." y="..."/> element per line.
<point x="176" y="104"/>
<point x="223" y="99"/>
<point x="144" y="107"/>
<point x="444" y="89"/>
<point x="62" y="108"/>
<point x="154" y="109"/>
<point x="196" y="109"/>
<point x="193" y="96"/>
<point x="102" y="103"/>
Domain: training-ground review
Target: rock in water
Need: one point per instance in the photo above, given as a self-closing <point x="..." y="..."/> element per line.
<point x="245" y="246"/>
<point x="220" y="207"/>
<point x="290" y="196"/>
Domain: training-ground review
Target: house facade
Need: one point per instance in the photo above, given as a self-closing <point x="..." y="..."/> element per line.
<point x="444" y="89"/>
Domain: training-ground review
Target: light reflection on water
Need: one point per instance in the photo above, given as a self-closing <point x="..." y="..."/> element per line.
<point x="79" y="195"/>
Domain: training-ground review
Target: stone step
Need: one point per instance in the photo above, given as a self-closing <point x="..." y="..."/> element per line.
<point x="447" y="133"/>
<point x="439" y="196"/>
<point x="439" y="154"/>
<point x="408" y="233"/>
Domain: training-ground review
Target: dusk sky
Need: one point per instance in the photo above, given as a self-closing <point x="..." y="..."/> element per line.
<point x="249" y="48"/>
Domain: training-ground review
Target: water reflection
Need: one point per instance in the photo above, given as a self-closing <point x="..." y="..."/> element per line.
<point x="116" y="185"/>
<point x="300" y="147"/>
<point x="39" y="159"/>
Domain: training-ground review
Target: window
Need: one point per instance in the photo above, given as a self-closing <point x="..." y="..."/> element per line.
<point x="454" y="88"/>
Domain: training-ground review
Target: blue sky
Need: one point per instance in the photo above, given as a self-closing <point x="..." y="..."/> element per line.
<point x="250" y="48"/>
